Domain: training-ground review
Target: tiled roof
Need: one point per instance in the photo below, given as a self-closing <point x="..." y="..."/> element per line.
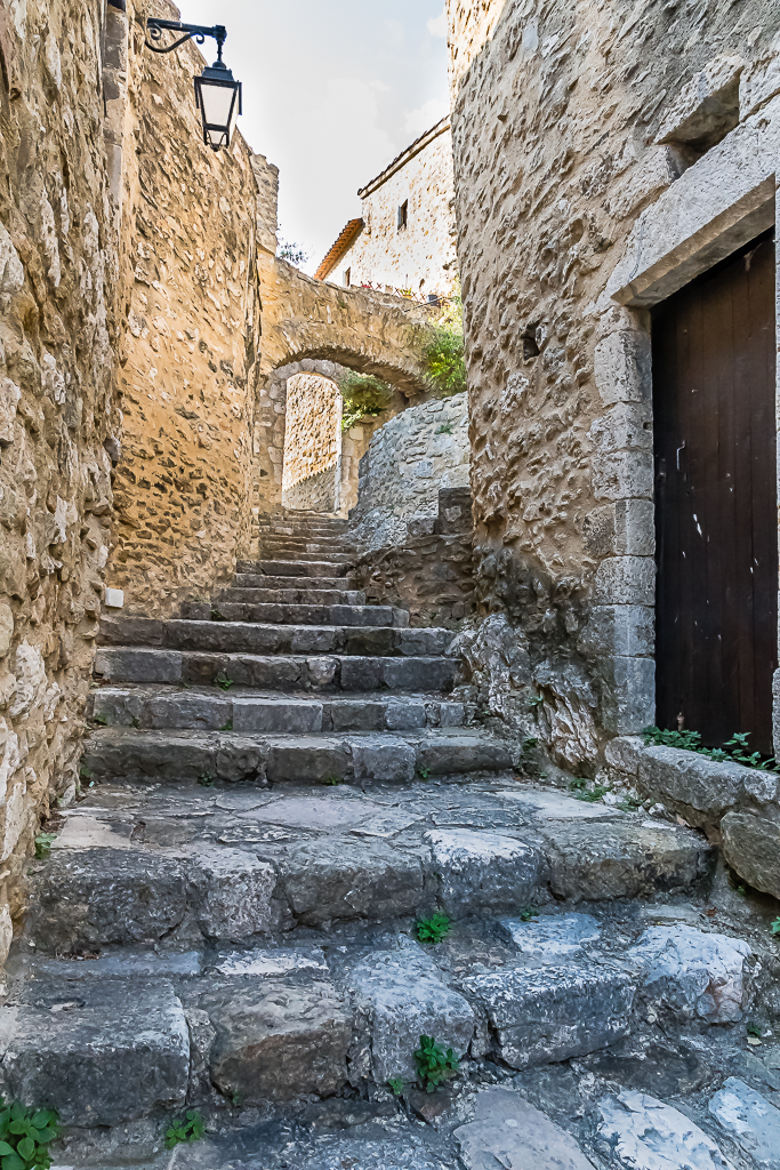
<point x="342" y="245"/>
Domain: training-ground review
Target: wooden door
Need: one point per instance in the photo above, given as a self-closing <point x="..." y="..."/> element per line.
<point x="716" y="500"/>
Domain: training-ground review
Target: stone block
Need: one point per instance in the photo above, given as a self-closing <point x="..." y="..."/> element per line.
<point x="751" y="846"/>
<point x="633" y="695"/>
<point x="624" y="754"/>
<point x="625" y="581"/>
<point x="623" y="475"/>
<point x="708" y="105"/>
<point x="452" y="755"/>
<point x="138" y="666"/>
<point x="85" y="900"/>
<point x="400" y="995"/>
<point x="405" y="714"/>
<point x="701" y="789"/>
<point x="99" y="1053"/>
<point x="623" y="859"/>
<point x="507" y="1131"/>
<point x="308" y="759"/>
<point x="340" y="878"/>
<point x="627" y="426"/>
<point x="639" y="1132"/>
<point x="235" y="895"/>
<point x="279" y="1039"/>
<point x="620" y="631"/>
<point x="622" y="367"/>
<point x="390" y="761"/>
<point x="760" y="81"/>
<point x="550" y="937"/>
<point x="289" y="716"/>
<point x="485" y="869"/>
<point x="543" y="1015"/>
<point x="749" y="1120"/>
<point x="692" y="974"/>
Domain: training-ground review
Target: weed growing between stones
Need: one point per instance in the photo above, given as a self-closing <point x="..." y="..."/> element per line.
<point x="190" y="1128"/>
<point x="396" y="1086"/>
<point x="43" y="844"/>
<point x="223" y="681"/>
<point x="734" y="750"/>
<point x="331" y="781"/>
<point x="776" y="926"/>
<point x="25" y="1136"/>
<point x="227" y="726"/>
<point x="592" y="795"/>
<point x="435" y="1066"/>
<point x="434" y="929"/>
<point x="528" y="913"/>
<point x="423" y="773"/>
<point x="206" y="781"/>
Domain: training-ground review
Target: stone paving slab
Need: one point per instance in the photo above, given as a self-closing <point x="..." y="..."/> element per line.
<point x="508" y="1132"/>
<point x="643" y="1133"/>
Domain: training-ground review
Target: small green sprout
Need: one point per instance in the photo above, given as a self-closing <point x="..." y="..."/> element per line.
<point x="776" y="926"/>
<point x="435" y="1065"/>
<point x="25" y="1135"/>
<point x="423" y="773"/>
<point x="43" y="844"/>
<point x="190" y="1128"/>
<point x="396" y="1086"/>
<point x="528" y="913"/>
<point x="223" y="681"/>
<point x="434" y="929"/>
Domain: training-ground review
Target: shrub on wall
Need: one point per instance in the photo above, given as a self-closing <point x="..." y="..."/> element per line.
<point x="365" y="396"/>
<point x="444" y="353"/>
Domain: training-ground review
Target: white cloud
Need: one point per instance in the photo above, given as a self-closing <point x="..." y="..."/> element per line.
<point x="437" y="26"/>
<point x="423" y="118"/>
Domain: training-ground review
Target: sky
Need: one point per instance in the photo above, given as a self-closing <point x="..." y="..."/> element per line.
<point x="333" y="91"/>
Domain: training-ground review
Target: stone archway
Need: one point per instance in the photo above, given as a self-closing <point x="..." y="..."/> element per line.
<point x="314" y="328"/>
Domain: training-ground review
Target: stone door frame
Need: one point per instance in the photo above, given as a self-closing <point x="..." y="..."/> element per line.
<point x="722" y="202"/>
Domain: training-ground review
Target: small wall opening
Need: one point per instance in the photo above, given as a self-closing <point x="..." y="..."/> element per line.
<point x="311" y="471"/>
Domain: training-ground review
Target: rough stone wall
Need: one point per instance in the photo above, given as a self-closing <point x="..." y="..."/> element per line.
<point x="312" y="443"/>
<point x="569" y="123"/>
<point x="57" y="274"/>
<point x="408" y="462"/>
<point x="190" y="228"/>
<point x="432" y="573"/>
<point x="422" y="256"/>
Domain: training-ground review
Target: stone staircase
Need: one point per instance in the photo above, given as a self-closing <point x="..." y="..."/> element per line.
<point x="278" y="786"/>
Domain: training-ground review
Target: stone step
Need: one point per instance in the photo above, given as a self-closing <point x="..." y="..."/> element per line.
<point x="237" y="637"/>
<point x="297" y="754"/>
<point x="332" y="567"/>
<point x="302" y="524"/>
<point x="143" y="866"/>
<point x="263" y="581"/>
<point x="208" y="709"/>
<point x="277" y="1022"/>
<point x="287" y="613"/>
<point x="244" y="596"/>
<point x="306" y="672"/>
<point x="275" y="546"/>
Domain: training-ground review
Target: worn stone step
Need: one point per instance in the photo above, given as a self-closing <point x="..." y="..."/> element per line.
<point x="164" y="708"/>
<point x="301" y="596"/>
<point x="274" y="546"/>
<point x="301" y="755"/>
<point x="286" y="613"/>
<point x="237" y="637"/>
<point x="263" y="581"/>
<point x="141" y="865"/>
<point x="335" y="566"/>
<point x="283" y="672"/>
<point x="298" y="524"/>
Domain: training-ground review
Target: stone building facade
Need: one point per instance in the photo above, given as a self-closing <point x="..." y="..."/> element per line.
<point x="405" y="238"/>
<point x="591" y="186"/>
<point x="58" y="421"/>
<point x="312" y="444"/>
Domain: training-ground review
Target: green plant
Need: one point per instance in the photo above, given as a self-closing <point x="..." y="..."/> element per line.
<point x="536" y="702"/>
<point x="25" y="1135"/>
<point x="223" y="681"/>
<point x="435" y="1066"/>
<point x="396" y="1086"/>
<point x="754" y="1029"/>
<point x="776" y="926"/>
<point x="423" y="773"/>
<point x="101" y="720"/>
<point x="217" y="615"/>
<point x="434" y="929"/>
<point x="43" y="844"/>
<point x="331" y="781"/>
<point x="189" y="1128"/>
<point x="444" y="351"/>
<point x="293" y="253"/>
<point x="530" y="743"/>
<point x="735" y="750"/>
<point x="444" y="429"/>
<point x="365" y="396"/>
<point x="227" y="726"/>
<point x="528" y="913"/>
<point x="592" y="795"/>
<point x="206" y="781"/>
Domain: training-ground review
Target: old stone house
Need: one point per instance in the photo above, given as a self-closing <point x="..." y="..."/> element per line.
<point x="338" y="868"/>
<point x="404" y="239"/>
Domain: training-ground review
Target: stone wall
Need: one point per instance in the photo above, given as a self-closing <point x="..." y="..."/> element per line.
<point x="58" y="263"/>
<point x="312" y="444"/>
<point x="190" y="233"/>
<point x="408" y="462"/>
<point x="589" y="186"/>
<point x="422" y="255"/>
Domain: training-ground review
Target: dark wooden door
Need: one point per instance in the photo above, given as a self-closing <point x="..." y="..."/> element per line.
<point x="716" y="500"/>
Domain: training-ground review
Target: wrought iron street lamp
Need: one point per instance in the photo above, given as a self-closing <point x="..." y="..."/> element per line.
<point x="217" y="93"/>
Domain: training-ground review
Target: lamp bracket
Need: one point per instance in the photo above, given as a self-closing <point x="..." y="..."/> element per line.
<point x="192" y="32"/>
